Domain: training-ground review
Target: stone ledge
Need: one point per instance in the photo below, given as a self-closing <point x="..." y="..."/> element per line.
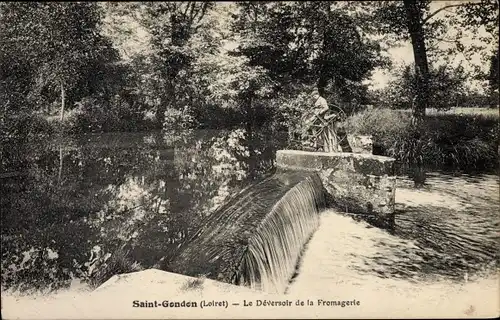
<point x="353" y="162"/>
<point x="354" y="182"/>
<point x="170" y="283"/>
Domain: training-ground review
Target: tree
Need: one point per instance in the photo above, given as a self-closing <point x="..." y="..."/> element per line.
<point x="493" y="79"/>
<point x="320" y="43"/>
<point x="446" y="88"/>
<point x="414" y="20"/>
<point x="60" y="47"/>
<point x="173" y="27"/>
<point x="415" y="28"/>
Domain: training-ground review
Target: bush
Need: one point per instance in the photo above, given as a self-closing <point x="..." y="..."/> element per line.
<point x="383" y="124"/>
<point x="176" y="119"/>
<point x="99" y="115"/>
<point x="445" y="141"/>
<point x="446" y="88"/>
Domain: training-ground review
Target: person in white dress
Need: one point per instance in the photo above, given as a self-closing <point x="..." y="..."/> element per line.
<point x="316" y="124"/>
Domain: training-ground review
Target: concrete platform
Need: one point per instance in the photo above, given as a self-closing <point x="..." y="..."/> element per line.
<point x="354" y="162"/>
<point x="354" y="182"/>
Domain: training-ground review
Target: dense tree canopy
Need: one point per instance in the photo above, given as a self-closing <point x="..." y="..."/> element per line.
<point x="215" y="64"/>
<point x="313" y="42"/>
<point x="53" y="48"/>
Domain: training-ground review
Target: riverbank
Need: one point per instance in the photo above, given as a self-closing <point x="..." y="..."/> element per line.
<point x="455" y="141"/>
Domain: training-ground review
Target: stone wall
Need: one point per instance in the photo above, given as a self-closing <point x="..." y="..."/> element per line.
<point x="355" y="183"/>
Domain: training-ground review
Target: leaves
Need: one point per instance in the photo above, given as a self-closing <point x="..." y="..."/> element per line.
<point x="446" y="88"/>
<point x="59" y="43"/>
<point x="311" y="42"/>
<point x="482" y="13"/>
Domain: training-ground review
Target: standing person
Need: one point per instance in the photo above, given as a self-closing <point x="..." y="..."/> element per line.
<point x="316" y="123"/>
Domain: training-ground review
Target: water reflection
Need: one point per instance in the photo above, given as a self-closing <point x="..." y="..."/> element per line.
<point x="146" y="192"/>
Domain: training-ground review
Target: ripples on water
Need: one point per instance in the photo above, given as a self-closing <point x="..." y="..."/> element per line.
<point x="449" y="230"/>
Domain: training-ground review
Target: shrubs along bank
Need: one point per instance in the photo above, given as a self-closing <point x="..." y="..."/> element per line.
<point x="445" y="141"/>
<point x="464" y="141"/>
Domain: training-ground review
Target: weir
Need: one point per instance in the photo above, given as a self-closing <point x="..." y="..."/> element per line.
<point x="257" y="238"/>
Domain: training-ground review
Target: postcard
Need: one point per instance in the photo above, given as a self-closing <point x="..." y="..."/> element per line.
<point x="249" y="160"/>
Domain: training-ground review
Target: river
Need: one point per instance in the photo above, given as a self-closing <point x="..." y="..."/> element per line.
<point x="72" y="206"/>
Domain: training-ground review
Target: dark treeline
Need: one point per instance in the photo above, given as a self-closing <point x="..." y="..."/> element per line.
<point x="100" y="67"/>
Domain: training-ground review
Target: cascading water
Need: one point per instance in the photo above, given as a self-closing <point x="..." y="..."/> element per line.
<point x="257" y="238"/>
<point x="277" y="244"/>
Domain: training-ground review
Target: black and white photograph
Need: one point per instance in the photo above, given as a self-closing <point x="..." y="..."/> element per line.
<point x="249" y="159"/>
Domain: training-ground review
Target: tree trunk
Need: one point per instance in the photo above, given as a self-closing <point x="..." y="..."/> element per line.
<point x="493" y="81"/>
<point x="415" y="28"/>
<point x="167" y="101"/>
<point x="250" y="123"/>
<point x="63" y="98"/>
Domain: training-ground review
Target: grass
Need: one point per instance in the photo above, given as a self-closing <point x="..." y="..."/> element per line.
<point x="451" y="140"/>
<point x="481" y="112"/>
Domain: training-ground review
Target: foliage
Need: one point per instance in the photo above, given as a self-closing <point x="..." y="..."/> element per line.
<point x="466" y="142"/>
<point x="180" y="33"/>
<point x="54" y="52"/>
<point x="390" y="19"/>
<point x="248" y="66"/>
<point x="446" y="88"/>
<point x="104" y="115"/>
<point x="482" y="13"/>
<point x="493" y="76"/>
<point x="414" y="19"/>
<point x="309" y="42"/>
<point x="59" y="46"/>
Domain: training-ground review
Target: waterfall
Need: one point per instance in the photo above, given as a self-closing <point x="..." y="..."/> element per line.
<point x="257" y="238"/>
<point x="274" y="249"/>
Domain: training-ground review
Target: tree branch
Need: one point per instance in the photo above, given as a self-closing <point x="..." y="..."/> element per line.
<point x="430" y="16"/>
<point x="188" y="4"/>
<point x="198" y="12"/>
<point x="192" y="12"/>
